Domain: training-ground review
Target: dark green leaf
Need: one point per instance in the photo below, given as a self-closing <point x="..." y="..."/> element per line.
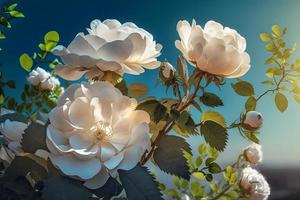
<point x="62" y="188"/>
<point x="214" y="168"/>
<point x="215" y="134"/>
<point x="156" y="110"/>
<point x="111" y="188"/>
<point x="169" y="158"/>
<point x="139" y="184"/>
<point x="34" y="138"/>
<point x="250" y="104"/>
<point x="210" y="99"/>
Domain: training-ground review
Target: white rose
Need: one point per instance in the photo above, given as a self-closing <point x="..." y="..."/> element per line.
<point x="213" y="49"/>
<point x="252" y="121"/>
<point x="50" y="83"/>
<point x="254" y="184"/>
<point x="43" y="78"/>
<point x="109" y="46"/>
<point x="167" y="70"/>
<point x="253" y="153"/>
<point x="13" y="133"/>
<point x="94" y="131"/>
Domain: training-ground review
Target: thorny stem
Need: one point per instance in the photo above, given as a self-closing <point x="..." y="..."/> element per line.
<point x="168" y="126"/>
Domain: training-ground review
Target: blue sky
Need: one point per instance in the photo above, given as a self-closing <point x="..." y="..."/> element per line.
<point x="280" y="135"/>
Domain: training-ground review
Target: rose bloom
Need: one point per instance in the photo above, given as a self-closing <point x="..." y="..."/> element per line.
<point x="12" y="133"/>
<point x="213" y="49"/>
<point x="254" y="184"/>
<point x="253" y="121"/>
<point x="43" y="79"/>
<point x="109" y="46"/>
<point x="253" y="153"/>
<point x="94" y="131"/>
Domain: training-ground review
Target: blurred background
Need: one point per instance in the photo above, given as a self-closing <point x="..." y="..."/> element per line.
<point x="280" y="135"/>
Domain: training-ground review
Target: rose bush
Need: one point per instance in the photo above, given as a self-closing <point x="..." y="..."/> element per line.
<point x="213" y="49"/>
<point x="94" y="131"/>
<point x="109" y="46"/>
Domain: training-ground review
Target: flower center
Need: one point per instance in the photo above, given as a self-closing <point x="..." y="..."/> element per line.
<point x="101" y="130"/>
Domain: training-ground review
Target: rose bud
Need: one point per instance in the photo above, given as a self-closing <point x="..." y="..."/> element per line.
<point x="253" y="154"/>
<point x="252" y="121"/>
<point x="167" y="71"/>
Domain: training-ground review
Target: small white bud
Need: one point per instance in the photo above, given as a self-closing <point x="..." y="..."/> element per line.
<point x="167" y="70"/>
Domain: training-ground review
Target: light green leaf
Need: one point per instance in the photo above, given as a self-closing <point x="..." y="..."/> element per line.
<point x="267" y="83"/>
<point x="276" y="30"/>
<point x="281" y="102"/>
<point x="199" y="175"/>
<point x="51" y="40"/>
<point x="213" y="116"/>
<point x="265" y="37"/>
<point x="12" y="6"/>
<point x="297" y="98"/>
<point x="26" y="62"/>
<point x="2" y="36"/>
<point x="16" y="14"/>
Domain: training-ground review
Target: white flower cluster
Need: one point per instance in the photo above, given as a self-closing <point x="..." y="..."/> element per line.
<point x="43" y="79"/>
<point x="254" y="184"/>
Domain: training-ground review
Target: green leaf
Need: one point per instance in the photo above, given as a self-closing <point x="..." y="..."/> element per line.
<point x="243" y="88"/>
<point x="214" y="168"/>
<point x="213" y="116"/>
<point x="169" y="158"/>
<point x="2" y="36"/>
<point x="276" y="30"/>
<point x="182" y="72"/>
<point x="156" y="110"/>
<point x="196" y="189"/>
<point x="34" y="138"/>
<point x="24" y="164"/>
<point x="210" y="99"/>
<point x="176" y="181"/>
<point x="250" y="104"/>
<point x="62" y="188"/>
<point x="185" y="123"/>
<point x="139" y="184"/>
<point x="202" y="149"/>
<point x="267" y="83"/>
<point x="16" y="14"/>
<point x="265" y="37"/>
<point x="137" y="90"/>
<point x="51" y="40"/>
<point x="214" y="134"/>
<point x="2" y="99"/>
<point x="111" y="188"/>
<point x="26" y="62"/>
<point x="199" y="175"/>
<point x="281" y="102"/>
<point x="12" y="6"/>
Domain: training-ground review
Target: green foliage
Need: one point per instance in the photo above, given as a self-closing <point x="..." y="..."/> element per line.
<point x="139" y="184"/>
<point x="34" y="138"/>
<point x="281" y="102"/>
<point x="26" y="62"/>
<point x="60" y="188"/>
<point x="250" y="104"/>
<point x="210" y="99"/>
<point x="169" y="157"/>
<point x="42" y="57"/>
<point x="185" y="124"/>
<point x="155" y="108"/>
<point x="243" y="88"/>
<point x="215" y="134"/>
